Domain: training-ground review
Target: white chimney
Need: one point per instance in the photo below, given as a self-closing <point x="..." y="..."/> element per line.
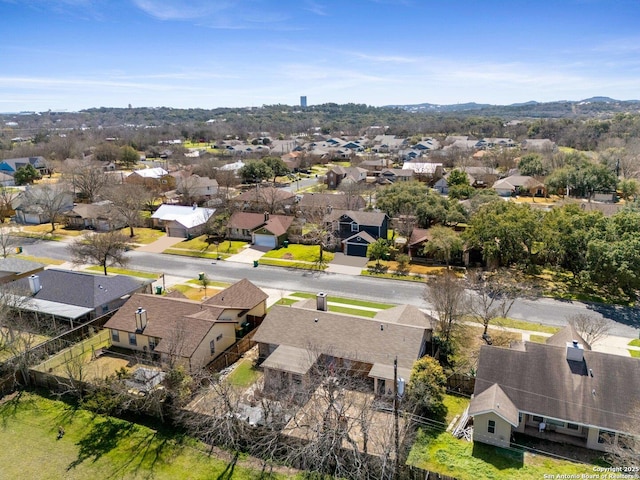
<point x="34" y="283"/>
<point x="575" y="351"/>
<point x="141" y="319"/>
<point x="321" y="301"/>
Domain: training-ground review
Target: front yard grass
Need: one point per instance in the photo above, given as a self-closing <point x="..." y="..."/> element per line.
<point x="299" y="253"/>
<point x="199" y="247"/>
<point x="95" y="446"/>
<point x="634" y="343"/>
<point x="123" y="271"/>
<point x="524" y="325"/>
<point x="45" y="260"/>
<point x="634" y="353"/>
<point x="142" y="235"/>
<point x="43" y="231"/>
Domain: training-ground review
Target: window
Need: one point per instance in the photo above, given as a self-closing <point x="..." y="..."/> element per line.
<point x="105" y="308"/>
<point x="115" y="336"/>
<point x="354" y="227"/>
<point x="218" y="338"/>
<point x="557" y="423"/>
<point x="606" y="436"/>
<point x="536" y="418"/>
<point x="212" y="346"/>
<point x="573" y="426"/>
<point x="491" y="428"/>
<point x="152" y="343"/>
<point x="132" y="339"/>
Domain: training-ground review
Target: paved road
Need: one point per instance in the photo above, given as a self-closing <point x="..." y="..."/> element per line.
<point x="625" y="321"/>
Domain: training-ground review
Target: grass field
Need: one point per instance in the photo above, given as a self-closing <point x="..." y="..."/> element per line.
<point x="143" y="235"/>
<point x="95" y="446"/>
<point x="46" y="261"/>
<point x="299" y="253"/>
<point x="244" y="374"/>
<point x="123" y="271"/>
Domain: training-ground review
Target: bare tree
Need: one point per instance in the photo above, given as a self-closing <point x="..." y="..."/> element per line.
<point x="8" y="240"/>
<point x="104" y="249"/>
<point x="88" y="178"/>
<point x="490" y="298"/>
<point x="50" y="199"/>
<point x="590" y="327"/>
<point x="128" y="200"/>
<point x="448" y="297"/>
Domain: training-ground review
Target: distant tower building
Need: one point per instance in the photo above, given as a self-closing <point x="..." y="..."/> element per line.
<point x="303" y="101"/>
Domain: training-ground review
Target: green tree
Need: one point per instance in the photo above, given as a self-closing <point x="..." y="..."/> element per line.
<point x="461" y="192"/>
<point x="378" y="250"/>
<point x="531" y="165"/>
<point x="505" y="232"/>
<point x="401" y="198"/>
<point x="129" y="156"/>
<point x="277" y="166"/>
<point x="457" y="177"/>
<point x="25" y="175"/>
<point x="254" y="172"/>
<point x="628" y="188"/>
<point x="444" y="244"/>
<point x="427" y="387"/>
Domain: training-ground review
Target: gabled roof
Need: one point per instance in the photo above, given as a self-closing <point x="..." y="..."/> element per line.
<point x="18" y="266"/>
<point x="419" y="235"/>
<point x="361" y="218"/>
<point x="241" y="295"/>
<point x="337" y="201"/>
<point x="16" y="163"/>
<point x="359" y="237"/>
<point x="155" y="173"/>
<point x="422" y="167"/>
<point x="264" y="194"/>
<point x="601" y="391"/>
<point x="565" y="335"/>
<point x="82" y="289"/>
<point x="186" y="216"/>
<point x="94" y="210"/>
<point x="251" y="221"/>
<point x="494" y="400"/>
<point x="355" y="338"/>
<point x="406" y="315"/>
<point x="278" y="224"/>
<point x="515" y="181"/>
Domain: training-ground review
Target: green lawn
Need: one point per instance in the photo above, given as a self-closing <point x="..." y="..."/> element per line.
<point x="346" y="301"/>
<point x="443" y="453"/>
<point x="299" y="253"/>
<point x="123" y="271"/>
<point x="277" y="262"/>
<point x="199" y="247"/>
<point x="524" y="325"/>
<point x="143" y="235"/>
<point x="95" y="446"/>
<point x="634" y="343"/>
<point x="538" y="338"/>
<point x="244" y="374"/>
<point x="47" y="261"/>
<point x="634" y="353"/>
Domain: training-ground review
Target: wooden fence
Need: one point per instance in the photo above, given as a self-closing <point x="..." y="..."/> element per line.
<point x="461" y="383"/>
<point x="232" y="354"/>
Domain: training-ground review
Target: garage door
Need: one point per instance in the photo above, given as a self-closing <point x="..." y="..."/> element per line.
<point x="176" y="232"/>
<point x="356" y="250"/>
<point x="264" y="241"/>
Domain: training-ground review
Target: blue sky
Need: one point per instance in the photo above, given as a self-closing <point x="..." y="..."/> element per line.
<point x="75" y="54"/>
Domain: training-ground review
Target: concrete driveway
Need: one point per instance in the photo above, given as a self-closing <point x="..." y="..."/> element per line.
<point x="347" y="265"/>
<point x="160" y="245"/>
<point x="248" y="254"/>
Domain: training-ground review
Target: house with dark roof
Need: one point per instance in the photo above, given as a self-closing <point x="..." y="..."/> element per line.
<point x="188" y="332"/>
<point x="337" y="175"/>
<point x="560" y="391"/>
<point x="293" y="341"/>
<point x="100" y="216"/>
<point x="13" y="268"/>
<point x="262" y="229"/>
<point x="356" y="230"/>
<point x="75" y="296"/>
<point x="264" y="199"/>
<point x="313" y="203"/>
<point x="393" y="175"/>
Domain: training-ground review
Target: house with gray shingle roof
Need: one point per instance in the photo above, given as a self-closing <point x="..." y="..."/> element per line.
<point x="293" y="341"/>
<point x="560" y="391"/>
<point x="356" y="230"/>
<point x="262" y="229"/>
<point x="189" y="332"/>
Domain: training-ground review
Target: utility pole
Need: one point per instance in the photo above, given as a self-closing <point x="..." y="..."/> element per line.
<point x="395" y="419"/>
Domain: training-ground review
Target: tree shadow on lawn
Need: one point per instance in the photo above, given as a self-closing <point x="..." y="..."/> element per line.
<point x="500" y="458"/>
<point x="10" y="405"/>
<point x="227" y="473"/>
<point x="101" y="439"/>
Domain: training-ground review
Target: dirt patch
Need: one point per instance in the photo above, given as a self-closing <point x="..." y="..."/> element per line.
<point x="287" y="256"/>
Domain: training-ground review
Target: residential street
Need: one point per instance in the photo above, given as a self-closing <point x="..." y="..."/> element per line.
<point x="625" y="320"/>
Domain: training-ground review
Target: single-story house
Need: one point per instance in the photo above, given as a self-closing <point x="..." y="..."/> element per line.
<point x="294" y="340"/>
<point x="75" y="296"/>
<point x="35" y="204"/>
<point x="100" y="216"/>
<point x="262" y="229"/>
<point x="189" y="332"/>
<point x="519" y="185"/>
<point x="392" y="175"/>
<point x="313" y="203"/>
<point x="560" y="391"/>
<point x="181" y="221"/>
<point x="264" y="199"/>
<point x="156" y="177"/>
<point x="425" y="171"/>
